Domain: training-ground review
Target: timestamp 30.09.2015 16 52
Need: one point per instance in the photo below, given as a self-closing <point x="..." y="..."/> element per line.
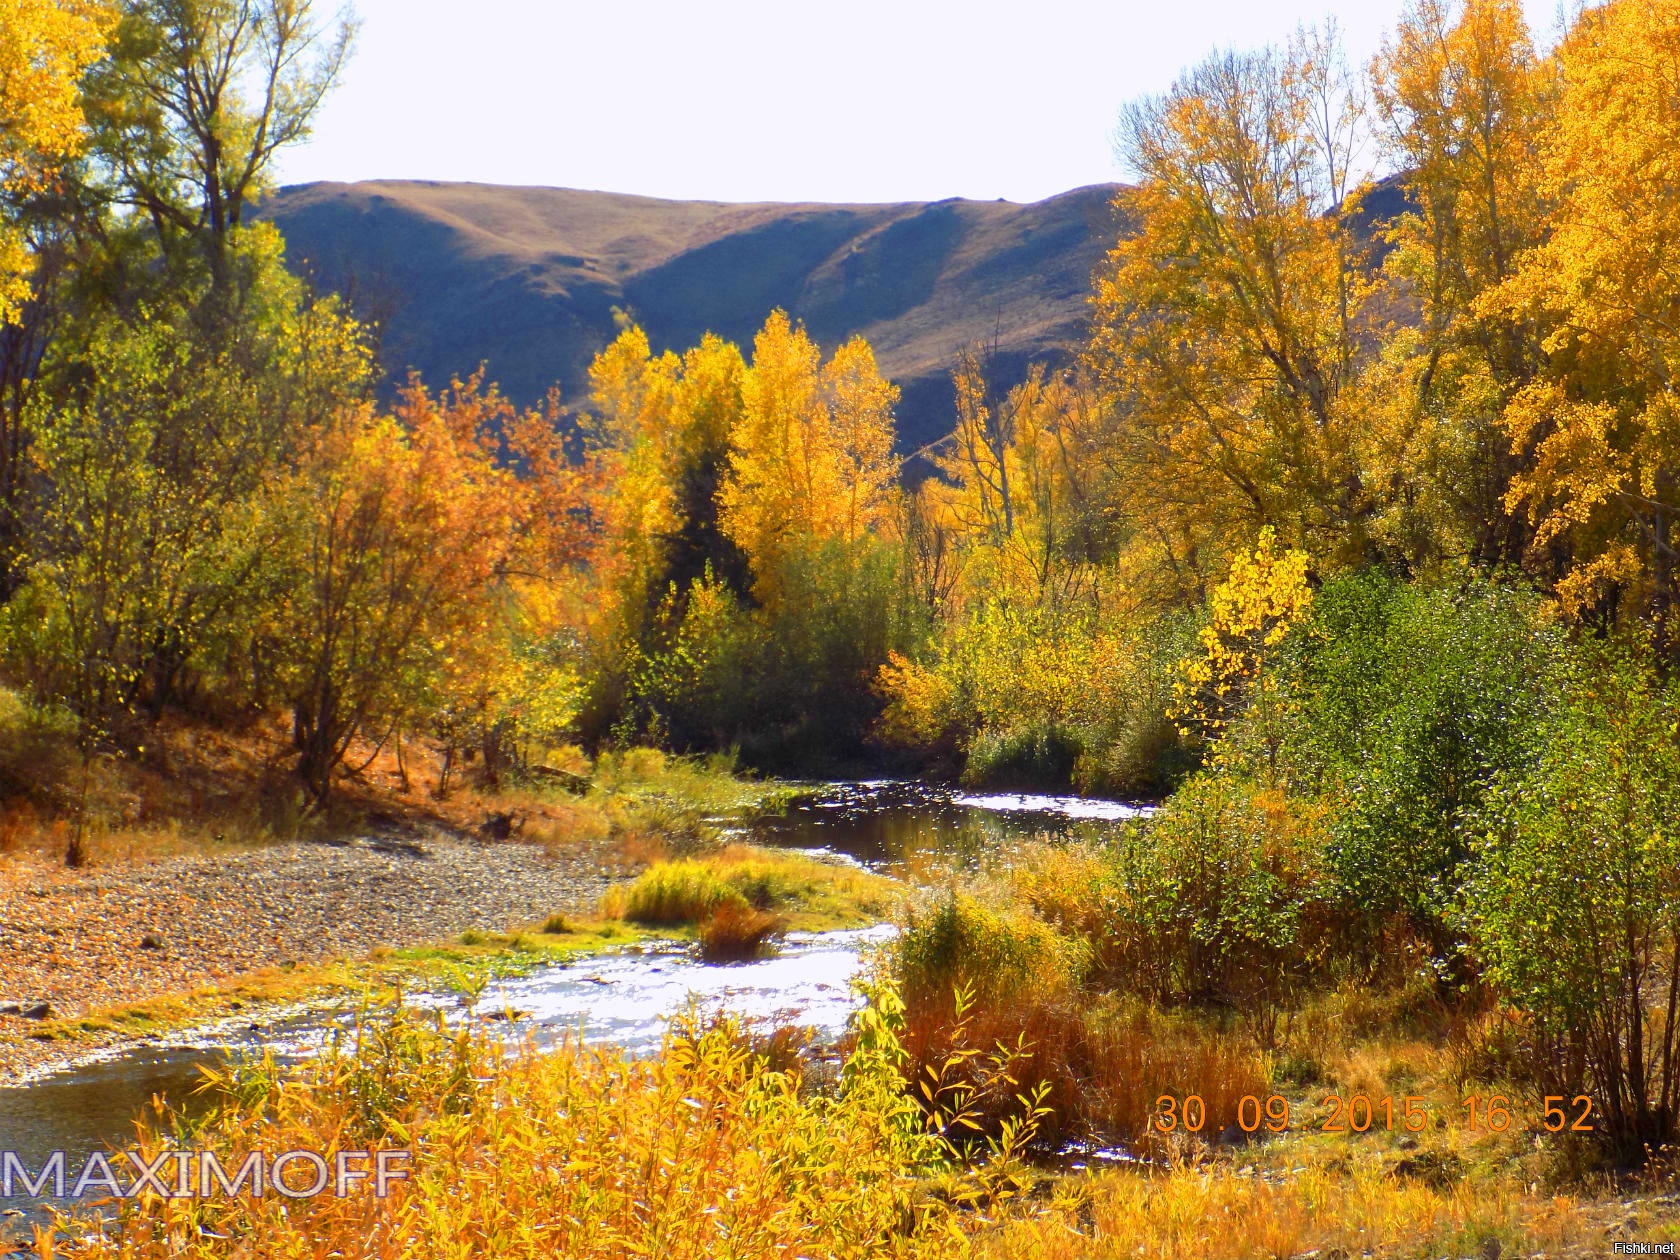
<point x="1358" y="1113"/>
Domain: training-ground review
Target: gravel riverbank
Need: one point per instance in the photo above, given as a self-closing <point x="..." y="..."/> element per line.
<point x="84" y="941"/>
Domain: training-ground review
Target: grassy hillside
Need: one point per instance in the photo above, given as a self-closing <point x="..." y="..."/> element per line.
<point x="527" y="279"/>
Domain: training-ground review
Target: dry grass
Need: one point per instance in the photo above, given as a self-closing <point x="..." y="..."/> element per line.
<point x="672" y="894"/>
<point x="198" y="788"/>
<point x="735" y="932"/>
<point x="1192" y="1213"/>
<point x="810" y="895"/>
<point x="975" y="975"/>
<point x="1104" y="1064"/>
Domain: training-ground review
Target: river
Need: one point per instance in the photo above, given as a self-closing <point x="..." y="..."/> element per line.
<point x="626" y="997"/>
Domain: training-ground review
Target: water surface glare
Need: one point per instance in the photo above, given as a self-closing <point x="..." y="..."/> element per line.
<point x="625" y="998"/>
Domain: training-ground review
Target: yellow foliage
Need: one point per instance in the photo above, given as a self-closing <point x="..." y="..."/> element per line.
<point x="1462" y="99"/>
<point x="45" y="45"/>
<point x="699" y="1151"/>
<point x="1249" y="615"/>
<point x="812" y="455"/>
<point x="1229" y="330"/>
<point x="1603" y="422"/>
<point x="1005" y="668"/>
<point x="1189" y="1212"/>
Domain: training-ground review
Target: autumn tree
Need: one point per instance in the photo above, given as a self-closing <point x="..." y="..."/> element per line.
<point x="398" y="530"/>
<point x="149" y="561"/>
<point x="1462" y="100"/>
<point x="1250" y="614"/>
<point x="45" y="48"/>
<point x="1231" y="328"/>
<point x="741" y="525"/>
<point x="1602" y="486"/>
<point x="186" y="111"/>
<point x="197" y="99"/>
<point x="45" y="45"/>
<point x="812" y="458"/>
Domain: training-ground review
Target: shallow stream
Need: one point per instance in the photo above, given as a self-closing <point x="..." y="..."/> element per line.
<point x="626" y="998"/>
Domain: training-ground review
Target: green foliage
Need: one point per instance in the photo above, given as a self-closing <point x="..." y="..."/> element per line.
<point x="1222" y="897"/>
<point x="785" y="685"/>
<point x="1405" y="704"/>
<point x="150" y="562"/>
<point x="1574" y="905"/>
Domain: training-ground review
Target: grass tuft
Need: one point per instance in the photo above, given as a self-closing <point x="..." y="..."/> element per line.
<point x="810" y="895"/>
<point x="736" y="932"/>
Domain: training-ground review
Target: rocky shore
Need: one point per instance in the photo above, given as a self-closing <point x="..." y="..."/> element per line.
<point x="77" y="942"/>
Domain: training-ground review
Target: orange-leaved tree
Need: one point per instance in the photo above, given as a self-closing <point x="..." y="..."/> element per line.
<point x="398" y="532"/>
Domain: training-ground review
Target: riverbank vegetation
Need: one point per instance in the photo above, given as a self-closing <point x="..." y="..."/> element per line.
<point x="791" y="890"/>
<point x="1348" y="535"/>
<point x="712" y="1147"/>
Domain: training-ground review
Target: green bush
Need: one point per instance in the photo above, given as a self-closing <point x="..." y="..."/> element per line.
<point x="1575" y="903"/>
<point x="1406" y="703"/>
<point x="1221" y="897"/>
<point x="1024" y="757"/>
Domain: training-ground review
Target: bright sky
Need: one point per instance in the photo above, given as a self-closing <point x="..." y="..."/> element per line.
<point x="778" y="100"/>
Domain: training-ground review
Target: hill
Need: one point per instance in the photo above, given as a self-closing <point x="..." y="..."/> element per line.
<point x="528" y="279"/>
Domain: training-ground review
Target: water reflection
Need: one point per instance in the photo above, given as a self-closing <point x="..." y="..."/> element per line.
<point x="887" y="824"/>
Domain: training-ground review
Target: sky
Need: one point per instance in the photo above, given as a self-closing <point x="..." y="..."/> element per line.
<point x="778" y="100"/>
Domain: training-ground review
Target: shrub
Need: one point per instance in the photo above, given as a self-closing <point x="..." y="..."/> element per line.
<point x="736" y="931"/>
<point x="1024" y="757"/>
<point x="976" y="978"/>
<point x="1405" y="704"/>
<point x="1000" y="956"/>
<point x="1046" y="697"/>
<point x="816" y="894"/>
<point x="1575" y="905"/>
<point x="699" y="1151"/>
<point x="1221" y="897"/>
<point x="671" y="894"/>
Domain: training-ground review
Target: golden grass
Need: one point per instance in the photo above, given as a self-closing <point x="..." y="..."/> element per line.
<point x="736" y="931"/>
<point x="811" y="895"/>
<point x="1192" y="1213"/>
<point x="198" y="787"/>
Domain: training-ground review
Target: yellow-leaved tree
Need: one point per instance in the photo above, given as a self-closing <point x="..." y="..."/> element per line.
<point x="1602" y="423"/>
<point x="45" y="45"/>
<point x="658" y="443"/>
<point x="1229" y="330"/>
<point x="1250" y="614"/>
<point x="812" y="458"/>
<point x="1462" y="99"/>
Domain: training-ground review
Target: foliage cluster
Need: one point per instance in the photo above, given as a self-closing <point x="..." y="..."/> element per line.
<point x="701" y="1150"/>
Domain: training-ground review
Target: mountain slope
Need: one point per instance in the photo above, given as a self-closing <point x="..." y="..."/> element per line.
<point x="527" y="279"/>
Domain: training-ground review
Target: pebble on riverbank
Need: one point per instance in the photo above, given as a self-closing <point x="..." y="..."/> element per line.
<point x="77" y="941"/>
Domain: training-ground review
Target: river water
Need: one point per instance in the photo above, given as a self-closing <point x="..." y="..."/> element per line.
<point x="625" y="998"/>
